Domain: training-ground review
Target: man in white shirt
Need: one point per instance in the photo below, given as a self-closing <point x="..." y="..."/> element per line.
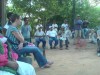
<point x="65" y="25"/>
<point x="55" y="26"/>
<point x="40" y="37"/>
<point x="52" y="34"/>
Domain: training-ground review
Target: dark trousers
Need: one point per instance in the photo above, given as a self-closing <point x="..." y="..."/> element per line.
<point x="51" y="39"/>
<point x="61" y="43"/>
<point x="98" y="43"/>
<point x="38" y="40"/>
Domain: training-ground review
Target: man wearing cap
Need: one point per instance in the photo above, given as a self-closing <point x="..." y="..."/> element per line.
<point x="52" y="34"/>
<point x="40" y="37"/>
<point x="78" y="27"/>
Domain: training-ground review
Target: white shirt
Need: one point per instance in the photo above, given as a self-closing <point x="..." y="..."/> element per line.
<point x="65" y="26"/>
<point x="39" y="33"/>
<point x="51" y="33"/>
<point x="55" y="27"/>
<point x="6" y="26"/>
<point x="67" y="34"/>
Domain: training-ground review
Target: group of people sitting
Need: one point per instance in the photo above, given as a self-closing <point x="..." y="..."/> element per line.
<point x="11" y="66"/>
<point x="54" y="35"/>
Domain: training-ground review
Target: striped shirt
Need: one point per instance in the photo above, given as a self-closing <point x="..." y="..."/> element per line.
<point x="12" y="37"/>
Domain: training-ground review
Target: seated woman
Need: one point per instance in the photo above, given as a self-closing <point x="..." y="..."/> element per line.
<point x="15" y="36"/>
<point x="8" y="63"/>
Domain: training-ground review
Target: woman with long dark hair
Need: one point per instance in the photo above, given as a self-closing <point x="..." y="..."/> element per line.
<point x="15" y="36"/>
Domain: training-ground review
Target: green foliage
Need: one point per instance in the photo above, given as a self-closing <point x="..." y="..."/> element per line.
<point x="56" y="10"/>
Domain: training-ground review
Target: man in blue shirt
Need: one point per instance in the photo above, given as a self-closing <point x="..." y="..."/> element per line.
<point x="25" y="30"/>
<point x="78" y="27"/>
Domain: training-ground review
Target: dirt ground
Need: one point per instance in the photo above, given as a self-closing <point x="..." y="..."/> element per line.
<point x="72" y="62"/>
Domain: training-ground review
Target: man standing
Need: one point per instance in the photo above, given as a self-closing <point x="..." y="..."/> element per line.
<point x="25" y="30"/>
<point x="78" y="27"/>
<point x="52" y="34"/>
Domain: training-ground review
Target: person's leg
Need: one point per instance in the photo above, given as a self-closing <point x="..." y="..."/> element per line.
<point x="25" y="69"/>
<point x="66" y="42"/>
<point x="43" y="43"/>
<point x="98" y="44"/>
<point x="41" y="60"/>
<point x="50" y="42"/>
<point x="83" y="33"/>
<point x="60" y="43"/>
<point x="56" y="42"/>
<point x="37" y="42"/>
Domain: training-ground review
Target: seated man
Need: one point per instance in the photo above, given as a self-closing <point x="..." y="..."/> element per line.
<point x="92" y="37"/>
<point x="98" y="41"/>
<point x="52" y="37"/>
<point x="40" y="37"/>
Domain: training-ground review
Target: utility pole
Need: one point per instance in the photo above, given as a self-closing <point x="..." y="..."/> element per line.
<point x="73" y="12"/>
<point x="3" y="12"/>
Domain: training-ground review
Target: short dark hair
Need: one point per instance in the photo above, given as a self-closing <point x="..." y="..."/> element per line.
<point x="25" y="18"/>
<point x="9" y="14"/>
<point x="14" y="17"/>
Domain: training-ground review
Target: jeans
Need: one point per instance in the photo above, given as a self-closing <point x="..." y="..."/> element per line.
<point x="51" y="39"/>
<point x="41" y="60"/>
<point x="84" y="32"/>
<point x="38" y="40"/>
<point x="61" y="43"/>
<point x="98" y="43"/>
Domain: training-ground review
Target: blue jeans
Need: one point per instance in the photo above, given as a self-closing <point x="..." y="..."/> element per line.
<point x="61" y="43"/>
<point x="84" y="32"/>
<point x="51" y="39"/>
<point x="38" y="40"/>
<point x="41" y="60"/>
